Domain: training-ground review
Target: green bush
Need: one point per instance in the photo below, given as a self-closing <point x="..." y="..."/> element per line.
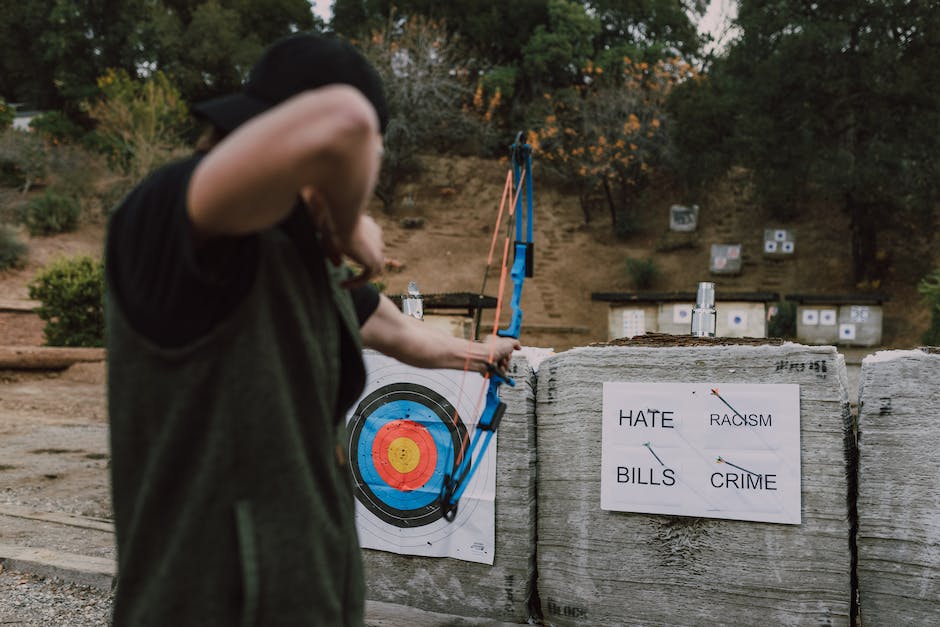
<point x="782" y="321"/>
<point x="24" y="158"/>
<point x="72" y="294"/>
<point x="51" y="213"/>
<point x="6" y="115"/>
<point x="141" y="124"/>
<point x="643" y="272"/>
<point x="930" y="288"/>
<point x="56" y="127"/>
<point x="12" y="248"/>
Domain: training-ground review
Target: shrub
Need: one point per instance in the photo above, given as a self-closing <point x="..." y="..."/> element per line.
<point x="643" y="272"/>
<point x="56" y="127"/>
<point x="23" y="158"/>
<point x="782" y="320"/>
<point x="140" y="123"/>
<point x="930" y="288"/>
<point x="71" y="293"/>
<point x="6" y="115"/>
<point x="51" y="213"/>
<point x="12" y="248"/>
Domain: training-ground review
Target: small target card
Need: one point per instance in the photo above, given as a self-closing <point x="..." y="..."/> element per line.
<point x="407" y="432"/>
<point x="698" y="449"/>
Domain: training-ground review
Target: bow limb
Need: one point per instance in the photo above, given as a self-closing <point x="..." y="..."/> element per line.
<point x="493" y="410"/>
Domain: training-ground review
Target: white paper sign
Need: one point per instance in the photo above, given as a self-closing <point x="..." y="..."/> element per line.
<point x="697" y="449"/>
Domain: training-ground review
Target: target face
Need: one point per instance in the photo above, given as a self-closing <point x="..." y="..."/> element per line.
<point x="404" y="438"/>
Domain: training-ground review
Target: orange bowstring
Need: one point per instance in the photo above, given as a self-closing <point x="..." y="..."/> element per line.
<point x="507" y="190"/>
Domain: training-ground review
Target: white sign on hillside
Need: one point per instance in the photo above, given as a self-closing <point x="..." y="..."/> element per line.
<point x="697" y="449"/>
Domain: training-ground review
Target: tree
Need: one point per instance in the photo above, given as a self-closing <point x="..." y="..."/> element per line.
<point x="833" y="101"/>
<point x="609" y="134"/>
<point x="555" y="53"/>
<point x="425" y="87"/>
<point x="53" y="51"/>
<point x="662" y="27"/>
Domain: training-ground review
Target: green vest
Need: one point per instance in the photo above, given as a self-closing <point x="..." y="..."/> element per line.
<point x="231" y="504"/>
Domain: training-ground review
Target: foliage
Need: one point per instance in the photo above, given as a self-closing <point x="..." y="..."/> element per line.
<point x="6" y="115"/>
<point x="141" y="123"/>
<point x="493" y="30"/>
<point x="53" y="51"/>
<point x="782" y="321"/>
<point x="57" y="127"/>
<point x="609" y="133"/>
<point x="71" y="293"/>
<point x="12" y="248"/>
<point x="24" y="158"/>
<point x="663" y="27"/>
<point x="555" y="53"/>
<point x="420" y="65"/>
<point x="643" y="272"/>
<point x="52" y="212"/>
<point x="929" y="287"/>
<point x="827" y="102"/>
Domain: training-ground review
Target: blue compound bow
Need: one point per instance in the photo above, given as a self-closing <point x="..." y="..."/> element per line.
<point x="494" y="408"/>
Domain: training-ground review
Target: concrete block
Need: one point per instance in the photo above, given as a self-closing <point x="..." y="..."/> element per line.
<point x="899" y="489"/>
<point x="616" y="568"/>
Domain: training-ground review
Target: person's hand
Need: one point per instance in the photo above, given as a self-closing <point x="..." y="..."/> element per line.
<point x="501" y="349"/>
<point x="365" y="246"/>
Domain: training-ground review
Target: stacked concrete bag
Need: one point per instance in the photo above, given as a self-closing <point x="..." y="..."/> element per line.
<point x="500" y="591"/>
<point x="899" y="489"/>
<point x="599" y="567"/>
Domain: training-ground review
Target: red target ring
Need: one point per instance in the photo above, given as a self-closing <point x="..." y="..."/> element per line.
<point x="404" y="454"/>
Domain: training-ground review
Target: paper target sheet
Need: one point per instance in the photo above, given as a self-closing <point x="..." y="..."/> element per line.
<point x="404" y="435"/>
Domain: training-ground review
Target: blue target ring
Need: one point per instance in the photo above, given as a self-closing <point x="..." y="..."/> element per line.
<point x="390" y="412"/>
<point x="415" y="403"/>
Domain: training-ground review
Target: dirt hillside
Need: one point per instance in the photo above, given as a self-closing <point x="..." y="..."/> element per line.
<point x="456" y="201"/>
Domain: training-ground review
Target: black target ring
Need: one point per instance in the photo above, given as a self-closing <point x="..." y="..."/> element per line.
<point x="396" y="402"/>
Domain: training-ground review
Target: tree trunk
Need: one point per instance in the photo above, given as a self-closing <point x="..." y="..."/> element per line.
<point x="610" y="203"/>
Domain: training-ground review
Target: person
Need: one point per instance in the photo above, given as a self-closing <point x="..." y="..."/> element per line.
<point x="234" y="338"/>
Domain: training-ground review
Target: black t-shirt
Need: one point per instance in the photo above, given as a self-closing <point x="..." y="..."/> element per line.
<point x="172" y="291"/>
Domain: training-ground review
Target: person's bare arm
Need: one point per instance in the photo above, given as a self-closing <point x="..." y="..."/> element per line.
<point x="408" y="340"/>
<point x="326" y="138"/>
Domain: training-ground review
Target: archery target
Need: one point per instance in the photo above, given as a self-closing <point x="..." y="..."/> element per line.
<point x="400" y="442"/>
<point x="828" y="317"/>
<point x="407" y="433"/>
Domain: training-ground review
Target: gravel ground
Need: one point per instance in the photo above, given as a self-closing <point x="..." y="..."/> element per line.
<point x="29" y="600"/>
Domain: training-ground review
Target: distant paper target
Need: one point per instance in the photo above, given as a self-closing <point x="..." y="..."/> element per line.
<point x="828" y="317"/>
<point x="682" y="314"/>
<point x="770" y="246"/>
<point x="737" y="320"/>
<point x="810" y="317"/>
<point x="404" y="436"/>
<point x="847" y="331"/>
